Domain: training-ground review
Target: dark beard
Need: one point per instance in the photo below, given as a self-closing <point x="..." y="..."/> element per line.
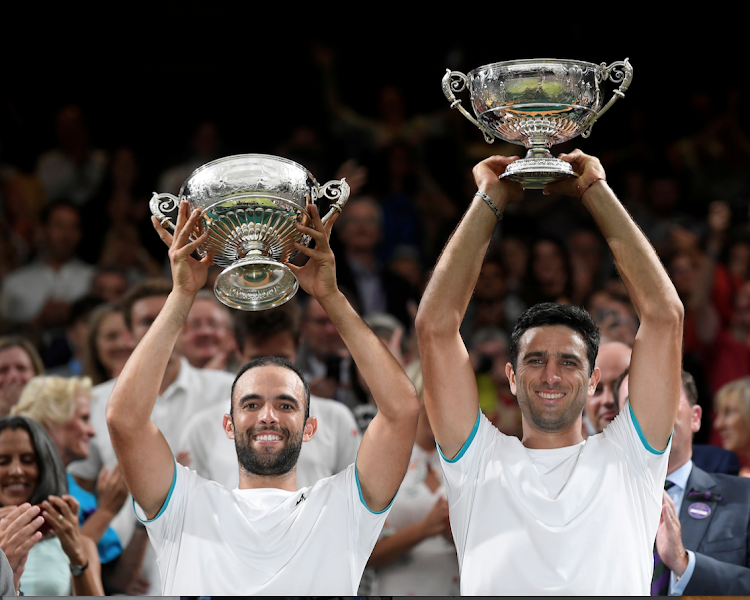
<point x="273" y="463"/>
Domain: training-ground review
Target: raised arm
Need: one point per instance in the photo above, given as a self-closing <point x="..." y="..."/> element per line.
<point x="143" y="454"/>
<point x="657" y="353"/>
<point x="386" y="446"/>
<point x="450" y="388"/>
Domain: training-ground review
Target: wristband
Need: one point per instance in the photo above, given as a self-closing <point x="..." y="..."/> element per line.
<point x="490" y="203"/>
<point x="580" y="197"/>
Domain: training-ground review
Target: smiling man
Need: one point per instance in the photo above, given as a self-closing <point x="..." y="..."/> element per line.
<point x="266" y="537"/>
<point x="535" y="515"/>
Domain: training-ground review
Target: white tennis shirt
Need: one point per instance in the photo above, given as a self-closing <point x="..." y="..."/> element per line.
<point x="579" y="520"/>
<point x="212" y="541"/>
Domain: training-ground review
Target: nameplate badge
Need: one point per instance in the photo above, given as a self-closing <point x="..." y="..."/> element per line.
<point x="699" y="510"/>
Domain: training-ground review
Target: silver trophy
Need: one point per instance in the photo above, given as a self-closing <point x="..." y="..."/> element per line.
<point x="537" y="103"/>
<point x="249" y="204"/>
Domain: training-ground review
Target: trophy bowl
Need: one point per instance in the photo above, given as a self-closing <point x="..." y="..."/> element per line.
<point x="537" y="103"/>
<point x="249" y="204"/>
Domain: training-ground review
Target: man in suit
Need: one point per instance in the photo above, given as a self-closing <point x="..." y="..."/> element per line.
<point x="704" y="532"/>
<point x="711" y="459"/>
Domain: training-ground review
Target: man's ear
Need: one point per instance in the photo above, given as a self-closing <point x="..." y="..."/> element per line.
<point x="695" y="418"/>
<point x="311" y="426"/>
<point x="229" y="427"/>
<point x="594" y="381"/>
<point x="511" y="375"/>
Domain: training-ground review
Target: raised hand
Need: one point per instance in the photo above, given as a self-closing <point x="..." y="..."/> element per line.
<point x="112" y="490"/>
<point x="318" y="276"/>
<point x="588" y="169"/>
<point x="18" y="533"/>
<point x="188" y="275"/>
<point x="486" y="176"/>
<point x="62" y="515"/>
<point x="669" y="538"/>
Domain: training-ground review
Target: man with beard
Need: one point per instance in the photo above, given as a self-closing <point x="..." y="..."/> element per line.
<point x="266" y="537"/>
<point x="551" y="513"/>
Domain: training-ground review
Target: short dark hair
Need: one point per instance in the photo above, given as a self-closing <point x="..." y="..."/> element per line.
<point x="262" y="325"/>
<point x="691" y="390"/>
<point x="550" y="313"/>
<point x="148" y="288"/>
<point x="52" y="478"/>
<point x="275" y="361"/>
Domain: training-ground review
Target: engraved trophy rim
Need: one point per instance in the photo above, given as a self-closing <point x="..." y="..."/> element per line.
<point x="532" y="61"/>
<point x="237" y="157"/>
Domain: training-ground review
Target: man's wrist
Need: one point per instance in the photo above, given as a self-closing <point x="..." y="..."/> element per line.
<point x="497" y="195"/>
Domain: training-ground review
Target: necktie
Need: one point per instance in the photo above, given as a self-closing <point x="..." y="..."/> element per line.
<point x="660" y="579"/>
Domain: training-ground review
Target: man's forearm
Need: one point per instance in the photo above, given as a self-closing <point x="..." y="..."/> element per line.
<point x="138" y="385"/>
<point x="452" y="282"/>
<point x="383" y="374"/>
<point x="648" y="284"/>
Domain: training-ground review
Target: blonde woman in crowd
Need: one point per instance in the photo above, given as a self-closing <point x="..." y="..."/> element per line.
<point x="732" y="420"/>
<point x="61" y="406"/>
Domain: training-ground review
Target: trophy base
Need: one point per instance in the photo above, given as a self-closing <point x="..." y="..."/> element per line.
<point x="256" y="283"/>
<point x="536" y="173"/>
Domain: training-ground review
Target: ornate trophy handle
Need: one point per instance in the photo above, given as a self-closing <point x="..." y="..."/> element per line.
<point x="617" y="72"/>
<point x="166" y="211"/>
<point x="455" y="81"/>
<point x="338" y="193"/>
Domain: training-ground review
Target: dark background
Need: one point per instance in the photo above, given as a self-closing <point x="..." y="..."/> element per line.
<point x="144" y="75"/>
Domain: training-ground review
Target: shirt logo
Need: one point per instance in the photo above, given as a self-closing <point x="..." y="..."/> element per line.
<point x="302" y="498"/>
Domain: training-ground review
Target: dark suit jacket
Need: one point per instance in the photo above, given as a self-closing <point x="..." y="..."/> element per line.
<point x="721" y="541"/>
<point x="713" y="459"/>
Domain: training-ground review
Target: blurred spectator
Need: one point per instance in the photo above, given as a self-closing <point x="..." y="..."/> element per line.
<point x="492" y="305"/>
<point x="732" y="420"/>
<point x="614" y="315"/>
<point x="208" y="335"/>
<point x="415" y="555"/>
<point x="713" y="158"/>
<point x="488" y="352"/>
<point x="22" y="200"/>
<point x="323" y="357"/>
<point x="120" y="205"/>
<point x="43" y="291"/>
<point x="76" y="334"/>
<point x="73" y="170"/>
<point x="391" y="332"/>
<point x="549" y="277"/>
<point x="62" y="406"/>
<point x="358" y="268"/>
<point x="19" y="362"/>
<point x="612" y="361"/>
<point x="273" y="332"/>
<point x="205" y="147"/>
<point x="109" y="284"/>
<point x="33" y="464"/>
<point x="108" y="345"/>
<point x="587" y="263"/>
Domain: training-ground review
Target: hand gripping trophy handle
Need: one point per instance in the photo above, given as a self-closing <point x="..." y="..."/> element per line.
<point x="165" y="210"/>
<point x="620" y="71"/>
<point x="338" y="193"/>
<point x="166" y="206"/>
<point x="455" y="81"/>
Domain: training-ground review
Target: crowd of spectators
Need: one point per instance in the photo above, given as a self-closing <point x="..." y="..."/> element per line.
<point x="76" y="238"/>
